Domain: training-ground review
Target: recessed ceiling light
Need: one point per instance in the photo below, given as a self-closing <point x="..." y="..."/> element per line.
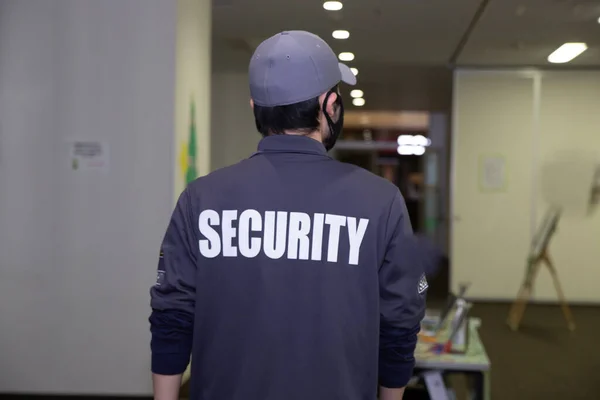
<point x="346" y="56"/>
<point x="358" y="102"/>
<point x="566" y="52"/>
<point x="340" y="34"/>
<point x="356" y="93"/>
<point x="333" y="5"/>
<point x="354" y="71"/>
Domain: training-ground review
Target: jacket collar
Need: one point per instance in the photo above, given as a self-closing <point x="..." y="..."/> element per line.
<point x="291" y="144"/>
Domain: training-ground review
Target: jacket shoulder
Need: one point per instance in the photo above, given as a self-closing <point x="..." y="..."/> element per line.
<point x="367" y="180"/>
<point x="221" y="175"/>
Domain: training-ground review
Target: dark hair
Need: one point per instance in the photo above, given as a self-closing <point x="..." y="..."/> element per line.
<point x="300" y="117"/>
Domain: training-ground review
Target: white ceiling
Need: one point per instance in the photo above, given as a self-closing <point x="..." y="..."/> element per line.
<point x="404" y="48"/>
<point x="518" y="33"/>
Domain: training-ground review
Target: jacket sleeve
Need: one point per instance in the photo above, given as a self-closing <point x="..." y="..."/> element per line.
<point x="402" y="298"/>
<point x="173" y="294"/>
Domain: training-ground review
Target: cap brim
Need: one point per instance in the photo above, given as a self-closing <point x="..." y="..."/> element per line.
<point x="347" y="75"/>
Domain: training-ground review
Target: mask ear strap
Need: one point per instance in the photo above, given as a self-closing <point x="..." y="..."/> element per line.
<point x="324" y="109"/>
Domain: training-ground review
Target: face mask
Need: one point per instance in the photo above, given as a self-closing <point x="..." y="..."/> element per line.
<point x="335" y="128"/>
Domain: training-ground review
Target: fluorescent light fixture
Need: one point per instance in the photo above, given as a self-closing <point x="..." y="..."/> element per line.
<point x="346" y="56"/>
<point x="356" y="93"/>
<point x="410" y="140"/>
<point x="421" y="140"/>
<point x="354" y="71"/>
<point x="340" y="34"/>
<point x="407" y="150"/>
<point x="404" y="140"/>
<point x="358" y="102"/>
<point x="566" y="53"/>
<point x="418" y="150"/>
<point x="333" y="5"/>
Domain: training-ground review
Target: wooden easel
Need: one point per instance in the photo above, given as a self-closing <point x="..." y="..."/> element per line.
<point x="539" y="255"/>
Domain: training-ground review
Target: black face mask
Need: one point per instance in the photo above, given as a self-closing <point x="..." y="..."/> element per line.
<point x="335" y="128"/>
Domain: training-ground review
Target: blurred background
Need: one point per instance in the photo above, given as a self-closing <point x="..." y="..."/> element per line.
<point x="109" y="107"/>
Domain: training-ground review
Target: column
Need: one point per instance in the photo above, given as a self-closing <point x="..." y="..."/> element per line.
<point x="192" y="91"/>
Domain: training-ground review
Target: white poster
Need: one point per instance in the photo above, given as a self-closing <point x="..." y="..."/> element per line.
<point x="492" y="173"/>
<point x="89" y="155"/>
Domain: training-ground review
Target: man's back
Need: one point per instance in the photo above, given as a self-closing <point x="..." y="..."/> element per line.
<point x="289" y="275"/>
<point x="287" y="291"/>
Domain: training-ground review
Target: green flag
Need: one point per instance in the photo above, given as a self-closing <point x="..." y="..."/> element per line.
<point x="191" y="171"/>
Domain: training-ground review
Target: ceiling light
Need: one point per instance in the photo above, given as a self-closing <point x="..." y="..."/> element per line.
<point x="405" y="150"/>
<point x="354" y="71"/>
<point x="421" y="140"/>
<point x="340" y="34"/>
<point x="333" y="5"/>
<point x="418" y="150"/>
<point x="346" y="56"/>
<point x="356" y="93"/>
<point x="358" y="102"/>
<point x="413" y="140"/>
<point x="566" y="53"/>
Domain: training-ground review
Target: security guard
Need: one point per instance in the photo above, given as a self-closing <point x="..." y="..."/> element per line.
<point x="290" y="275"/>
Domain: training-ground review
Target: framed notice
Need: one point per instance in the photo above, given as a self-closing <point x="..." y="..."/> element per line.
<point x="88" y="155"/>
<point x="492" y="173"/>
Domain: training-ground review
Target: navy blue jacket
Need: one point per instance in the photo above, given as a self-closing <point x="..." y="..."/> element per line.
<point x="290" y="276"/>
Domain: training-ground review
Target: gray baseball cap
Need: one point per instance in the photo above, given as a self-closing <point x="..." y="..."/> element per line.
<point x="294" y="66"/>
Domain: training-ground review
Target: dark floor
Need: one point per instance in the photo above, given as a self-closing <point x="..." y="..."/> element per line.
<point x="543" y="360"/>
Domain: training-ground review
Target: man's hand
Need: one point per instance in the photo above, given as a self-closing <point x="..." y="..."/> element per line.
<point x="166" y="387"/>
<point x="391" y="394"/>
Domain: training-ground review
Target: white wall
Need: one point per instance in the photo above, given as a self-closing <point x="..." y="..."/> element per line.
<point x="78" y="251"/>
<point x="234" y="135"/>
<point x="526" y="117"/>
<point x="570" y="120"/>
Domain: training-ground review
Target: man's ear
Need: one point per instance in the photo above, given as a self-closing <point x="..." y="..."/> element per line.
<point x="252" y="104"/>
<point x="330" y="102"/>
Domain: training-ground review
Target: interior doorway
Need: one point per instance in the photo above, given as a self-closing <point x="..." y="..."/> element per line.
<point x="423" y="179"/>
<point x="404" y="171"/>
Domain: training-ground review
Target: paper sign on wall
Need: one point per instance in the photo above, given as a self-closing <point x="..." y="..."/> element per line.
<point x="89" y="155"/>
<point x="492" y="173"/>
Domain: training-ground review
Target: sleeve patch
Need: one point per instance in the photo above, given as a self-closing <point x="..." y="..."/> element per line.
<point x="423" y="285"/>
<point x="160" y="276"/>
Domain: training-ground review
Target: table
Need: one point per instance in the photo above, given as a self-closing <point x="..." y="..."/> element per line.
<point x="474" y="363"/>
